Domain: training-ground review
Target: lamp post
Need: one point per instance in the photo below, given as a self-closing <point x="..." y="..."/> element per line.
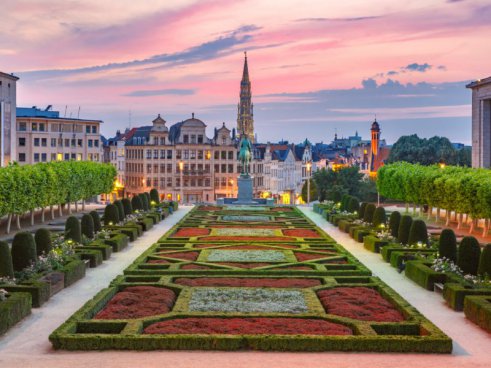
<point x="309" y="167"/>
<point x="231" y="188"/>
<point x="181" y="168"/>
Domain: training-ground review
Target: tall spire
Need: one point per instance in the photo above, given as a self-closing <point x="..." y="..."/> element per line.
<point x="245" y="119"/>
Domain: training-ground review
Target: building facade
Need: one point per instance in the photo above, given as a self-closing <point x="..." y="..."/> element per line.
<point x="8" y="104"/>
<point x="181" y="161"/>
<point x="43" y="136"/>
<point x="481" y="122"/>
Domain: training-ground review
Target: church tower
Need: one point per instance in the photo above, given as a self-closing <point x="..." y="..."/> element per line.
<point x="375" y="145"/>
<point x="245" y="108"/>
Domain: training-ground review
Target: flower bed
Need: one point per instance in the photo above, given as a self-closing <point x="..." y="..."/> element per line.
<point x="245" y="265"/>
<point x="244" y="231"/>
<point x="310" y="256"/>
<point x="138" y="302"/>
<point x="195" y="267"/>
<point x="301" y="233"/>
<point x="248" y="326"/>
<point x="188" y="256"/>
<point x="209" y="208"/>
<point x="247" y="300"/>
<point x="246" y="256"/>
<point x="187" y="232"/>
<point x="248" y="238"/>
<point x="359" y="303"/>
<point x="248" y="282"/>
<point x="249" y="247"/>
<point x="246" y="218"/>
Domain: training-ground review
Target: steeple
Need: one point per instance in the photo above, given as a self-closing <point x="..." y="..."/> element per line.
<point x="245" y="119"/>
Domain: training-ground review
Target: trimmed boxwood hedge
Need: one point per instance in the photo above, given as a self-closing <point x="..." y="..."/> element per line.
<point x="373" y="244"/>
<point x="404" y="228"/>
<point x="394" y="220"/>
<point x="422" y="274"/>
<point x="6" y="266"/>
<point x="74" y="271"/>
<point x="478" y="310"/>
<point x="447" y="245"/>
<point x="455" y="293"/>
<point x="118" y="242"/>
<point x="15" y="308"/>
<point x="94" y="256"/>
<point x="40" y="291"/>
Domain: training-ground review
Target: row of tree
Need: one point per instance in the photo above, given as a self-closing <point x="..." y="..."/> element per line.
<point x="459" y="189"/>
<point x="30" y="187"/>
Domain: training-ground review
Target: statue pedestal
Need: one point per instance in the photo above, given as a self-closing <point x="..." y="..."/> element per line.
<point x="245" y="194"/>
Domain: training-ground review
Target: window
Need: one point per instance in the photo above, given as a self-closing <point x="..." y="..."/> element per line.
<point x="230" y="168"/>
<point x="185" y="138"/>
<point x="155" y="154"/>
<point x="44" y="157"/>
<point x="34" y="127"/>
<point x="44" y="142"/>
<point x="67" y="143"/>
<point x="87" y="129"/>
<point x="207" y="182"/>
<point x="224" y="182"/>
<point x="22" y="127"/>
<point x="200" y="155"/>
<point x="149" y="168"/>
<point x="169" y="168"/>
<point x="200" y="138"/>
<point x="79" y="143"/>
<point x="192" y="154"/>
<point x="162" y="141"/>
<point x="224" y="155"/>
<point x="217" y="168"/>
<point x="178" y="154"/>
<point x="59" y="156"/>
<point x="230" y="155"/>
<point x="53" y="142"/>
<point x="149" y="154"/>
<point x="89" y="142"/>
<point x="217" y="155"/>
<point x="36" y="157"/>
<point x="169" y="181"/>
<point x="155" y="140"/>
<point x="169" y="154"/>
<point x="186" y="154"/>
<point x="22" y="157"/>
<point x="73" y="156"/>
<point x="193" y="138"/>
<point x="74" y="143"/>
<point x="94" y="129"/>
<point x="36" y="142"/>
<point x="53" y="157"/>
<point x="162" y="154"/>
<point x="224" y="168"/>
<point x="217" y="182"/>
<point x="96" y="142"/>
<point x="67" y="156"/>
<point x="224" y="139"/>
<point x="79" y="157"/>
<point x="42" y="127"/>
<point x="156" y="168"/>
<point x="22" y="142"/>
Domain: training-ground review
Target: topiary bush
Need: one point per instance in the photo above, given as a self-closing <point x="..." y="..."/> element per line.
<point x="119" y="206"/>
<point x="379" y="216"/>
<point x="154" y="196"/>
<point x="394" y="220"/>
<point x="6" y="266"/>
<point x="344" y="202"/>
<point x="23" y="250"/>
<point x="128" y="209"/>
<point x="111" y="215"/>
<point x="369" y="211"/>
<point x="147" y="194"/>
<point x="468" y="257"/>
<point x="97" y="221"/>
<point x="144" y="200"/>
<point x="43" y="241"/>
<point x="404" y="227"/>
<point x="361" y="212"/>
<point x="485" y="262"/>
<point x="447" y="245"/>
<point x="87" y="226"/>
<point x="136" y="203"/>
<point x="72" y="229"/>
<point x="353" y="205"/>
<point x="418" y="233"/>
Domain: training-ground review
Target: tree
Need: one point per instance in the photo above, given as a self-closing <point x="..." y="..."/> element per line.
<point x="313" y="191"/>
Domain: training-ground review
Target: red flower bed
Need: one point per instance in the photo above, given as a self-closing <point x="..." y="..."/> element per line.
<point x="158" y="261"/>
<point x="294" y="268"/>
<point x="248" y="326"/>
<point x="301" y="233"/>
<point x="335" y="261"/>
<point x="250" y="247"/>
<point x="187" y="232"/>
<point x="188" y="256"/>
<point x="359" y="303"/>
<point x="309" y="256"/>
<point x="244" y="265"/>
<point x="138" y="302"/>
<point x="281" y="209"/>
<point x="247" y="226"/>
<point x="200" y="246"/>
<point x="195" y="267"/>
<point x="209" y="208"/>
<point x="248" y="238"/>
<point x="248" y="282"/>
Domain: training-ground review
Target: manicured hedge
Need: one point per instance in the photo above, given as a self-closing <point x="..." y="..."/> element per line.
<point x="455" y="293"/>
<point x="15" y="308"/>
<point x="478" y="310"/>
<point x="422" y="274"/>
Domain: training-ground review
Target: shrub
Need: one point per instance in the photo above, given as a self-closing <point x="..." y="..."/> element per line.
<point x="97" y="221"/>
<point x="119" y="206"/>
<point x="379" y="216"/>
<point x="72" y="229"/>
<point x="394" y="220"/>
<point x="353" y="205"/>
<point x="111" y="214"/>
<point x="469" y="252"/>
<point x="344" y="202"/>
<point x="144" y="201"/>
<point x="87" y="225"/>
<point x="418" y="232"/>
<point x="361" y="212"/>
<point x="147" y="194"/>
<point x="128" y="209"/>
<point x="404" y="227"/>
<point x="6" y="266"/>
<point x="23" y="250"/>
<point x="447" y="245"/>
<point x="136" y="203"/>
<point x="42" y="237"/>
<point x="369" y="211"/>
<point x="485" y="261"/>
<point x="154" y="196"/>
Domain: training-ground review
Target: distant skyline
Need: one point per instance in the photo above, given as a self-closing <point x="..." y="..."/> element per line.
<point x="315" y="68"/>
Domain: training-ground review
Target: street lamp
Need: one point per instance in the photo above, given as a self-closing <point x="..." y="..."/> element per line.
<point x="231" y="188"/>
<point x="181" y="168"/>
<point x="309" y="167"/>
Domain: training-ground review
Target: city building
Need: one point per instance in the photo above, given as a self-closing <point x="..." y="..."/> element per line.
<point x="43" y="136"/>
<point x="481" y="122"/>
<point x="114" y="153"/>
<point x="181" y="161"/>
<point x="378" y="154"/>
<point x="245" y="108"/>
<point x="8" y="104"/>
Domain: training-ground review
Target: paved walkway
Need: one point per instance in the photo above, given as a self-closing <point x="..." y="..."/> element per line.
<point x="27" y="345"/>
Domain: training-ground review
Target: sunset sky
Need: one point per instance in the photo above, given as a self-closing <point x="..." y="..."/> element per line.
<point x="316" y="66"/>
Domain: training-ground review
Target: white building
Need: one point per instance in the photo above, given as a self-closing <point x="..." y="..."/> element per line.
<point x="8" y="104"/>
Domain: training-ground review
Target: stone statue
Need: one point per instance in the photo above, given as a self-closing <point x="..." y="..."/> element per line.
<point x="245" y="155"/>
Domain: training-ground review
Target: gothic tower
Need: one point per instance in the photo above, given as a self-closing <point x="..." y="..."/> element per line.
<point x="245" y="108"/>
<point x="375" y="145"/>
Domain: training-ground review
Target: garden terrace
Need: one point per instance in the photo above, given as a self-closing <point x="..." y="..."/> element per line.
<point x="277" y="286"/>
